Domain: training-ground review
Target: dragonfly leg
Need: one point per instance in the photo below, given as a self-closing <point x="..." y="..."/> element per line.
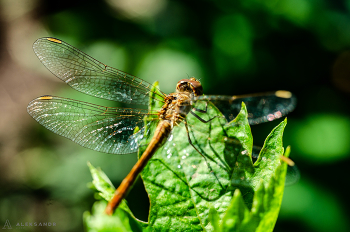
<point x="202" y="111"/>
<point x="205" y="158"/>
<point x="190" y="141"/>
<point x="201" y="119"/>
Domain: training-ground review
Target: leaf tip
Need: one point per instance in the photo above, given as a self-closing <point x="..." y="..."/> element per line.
<point x="91" y="167"/>
<point x="287" y="152"/>
<point x="237" y="193"/>
<point x="244" y="107"/>
<point x="155" y="85"/>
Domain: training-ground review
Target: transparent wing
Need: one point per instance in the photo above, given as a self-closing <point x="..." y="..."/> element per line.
<point x="85" y="74"/>
<point x="262" y="107"/>
<point x="104" y="129"/>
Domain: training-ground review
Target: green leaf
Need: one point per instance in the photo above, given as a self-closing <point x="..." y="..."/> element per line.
<point x="186" y="188"/>
<point x="101" y="182"/>
<point x="99" y="221"/>
<point x="121" y="220"/>
<point x="266" y="205"/>
<point x="217" y="189"/>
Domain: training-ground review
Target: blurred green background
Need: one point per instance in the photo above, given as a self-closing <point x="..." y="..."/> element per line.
<point x="233" y="47"/>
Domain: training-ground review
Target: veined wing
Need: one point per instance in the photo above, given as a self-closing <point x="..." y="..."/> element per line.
<point x="85" y="74"/>
<point x="104" y="129"/>
<point x="262" y="107"/>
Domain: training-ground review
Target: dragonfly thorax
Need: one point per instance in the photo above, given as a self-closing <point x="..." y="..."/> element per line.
<point x="176" y="107"/>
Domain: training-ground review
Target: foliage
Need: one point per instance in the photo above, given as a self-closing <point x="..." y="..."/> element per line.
<point x="220" y="189"/>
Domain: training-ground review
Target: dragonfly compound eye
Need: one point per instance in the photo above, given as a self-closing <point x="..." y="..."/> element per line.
<point x="183" y="86"/>
<point x="191" y="85"/>
<point x="196" y="86"/>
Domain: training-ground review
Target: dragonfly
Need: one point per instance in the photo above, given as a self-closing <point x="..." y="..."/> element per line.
<point x="119" y="130"/>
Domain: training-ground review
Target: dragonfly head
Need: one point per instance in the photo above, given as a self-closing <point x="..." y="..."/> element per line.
<point x="191" y="85"/>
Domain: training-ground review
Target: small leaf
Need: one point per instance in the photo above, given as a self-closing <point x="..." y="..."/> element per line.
<point x="102" y="183"/>
<point x="214" y="219"/>
<point x="267" y="196"/>
<point x="236" y="214"/>
<point x="99" y="221"/>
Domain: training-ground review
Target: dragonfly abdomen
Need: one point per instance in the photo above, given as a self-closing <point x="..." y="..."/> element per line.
<point x="160" y="135"/>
